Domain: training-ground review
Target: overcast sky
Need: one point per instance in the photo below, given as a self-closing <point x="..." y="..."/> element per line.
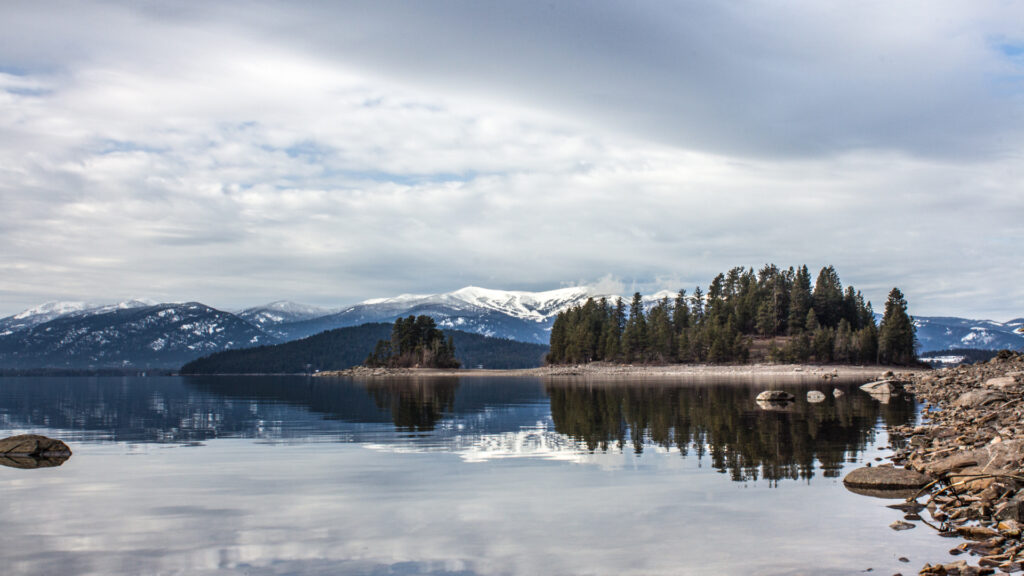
<point x="331" y="152"/>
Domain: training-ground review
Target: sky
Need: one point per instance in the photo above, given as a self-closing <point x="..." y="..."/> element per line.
<point x="326" y="153"/>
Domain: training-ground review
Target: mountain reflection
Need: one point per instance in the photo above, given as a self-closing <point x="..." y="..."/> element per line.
<point x="723" y="423"/>
<point x="479" y="419"/>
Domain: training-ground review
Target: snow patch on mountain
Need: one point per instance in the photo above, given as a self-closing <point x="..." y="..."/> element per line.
<point x="282" y="311"/>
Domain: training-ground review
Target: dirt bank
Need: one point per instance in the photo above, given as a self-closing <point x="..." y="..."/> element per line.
<point x="617" y="371"/>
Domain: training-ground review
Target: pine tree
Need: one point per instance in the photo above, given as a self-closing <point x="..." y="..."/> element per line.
<point x="828" y="297"/>
<point x="897" y="335"/>
<point x="799" y="300"/>
<point x="635" y="335"/>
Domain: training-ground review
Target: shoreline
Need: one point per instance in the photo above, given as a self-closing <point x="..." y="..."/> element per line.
<point x="970" y="443"/>
<point x="623" y="371"/>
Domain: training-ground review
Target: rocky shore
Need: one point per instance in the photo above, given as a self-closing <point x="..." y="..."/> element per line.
<point x="970" y="451"/>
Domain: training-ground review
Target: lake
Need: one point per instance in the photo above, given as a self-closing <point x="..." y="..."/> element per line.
<point x="448" y="476"/>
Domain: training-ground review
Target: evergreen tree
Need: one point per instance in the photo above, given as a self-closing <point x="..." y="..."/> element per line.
<point x="635" y="335"/>
<point x="661" y="333"/>
<point x="697" y="312"/>
<point x="415" y="342"/>
<point x="843" y="350"/>
<point x="897" y="335"/>
<point x="681" y="313"/>
<point x="828" y="297"/>
<point x="799" y="300"/>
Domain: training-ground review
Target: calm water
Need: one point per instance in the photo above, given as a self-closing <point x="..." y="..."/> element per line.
<point x="279" y="475"/>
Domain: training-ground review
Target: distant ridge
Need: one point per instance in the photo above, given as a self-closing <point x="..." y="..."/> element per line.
<point x="133" y="335"/>
<point x="343" y="348"/>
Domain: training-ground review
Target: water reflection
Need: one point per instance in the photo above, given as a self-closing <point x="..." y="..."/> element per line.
<point x="479" y="419"/>
<point x="724" y="423"/>
<point x="415" y="404"/>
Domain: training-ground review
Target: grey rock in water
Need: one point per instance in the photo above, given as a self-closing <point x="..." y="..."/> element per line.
<point x="901" y="525"/>
<point x="885" y="478"/>
<point x="815" y="396"/>
<point x="32" y="451"/>
<point x="775" y="396"/>
<point x="883" y="387"/>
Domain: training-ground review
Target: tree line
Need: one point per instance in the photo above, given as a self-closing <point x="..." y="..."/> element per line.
<point x="823" y="324"/>
<point x="415" y="342"/>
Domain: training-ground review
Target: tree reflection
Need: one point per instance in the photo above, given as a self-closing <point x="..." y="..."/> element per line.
<point x="723" y="422"/>
<point x="416" y="404"/>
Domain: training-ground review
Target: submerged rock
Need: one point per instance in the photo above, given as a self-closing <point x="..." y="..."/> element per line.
<point x="775" y="396"/>
<point x="883" y="387"/>
<point x="815" y="396"/>
<point x="28" y="451"/>
<point x="885" y="478"/>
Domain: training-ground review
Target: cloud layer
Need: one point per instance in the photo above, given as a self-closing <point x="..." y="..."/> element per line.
<point x="329" y="154"/>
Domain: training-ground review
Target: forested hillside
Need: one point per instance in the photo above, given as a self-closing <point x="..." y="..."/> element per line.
<point x="824" y="324"/>
<point x="346" y="347"/>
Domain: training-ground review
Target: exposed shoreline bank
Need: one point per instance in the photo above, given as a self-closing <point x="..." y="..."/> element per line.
<point x="971" y="444"/>
<point x="627" y="371"/>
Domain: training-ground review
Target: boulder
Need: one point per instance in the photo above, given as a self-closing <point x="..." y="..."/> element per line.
<point x="883" y="387"/>
<point x="1003" y="457"/>
<point x="32" y="451"/>
<point x="774" y="405"/>
<point x="33" y="445"/>
<point x="1000" y="382"/>
<point x="775" y="396"/>
<point x="885" y="478"/>
<point x="815" y="396"/>
<point x="977" y="398"/>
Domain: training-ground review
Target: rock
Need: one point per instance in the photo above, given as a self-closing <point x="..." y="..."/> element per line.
<point x="976" y="398"/>
<point x="33" y="445"/>
<point x="976" y="532"/>
<point x="1001" y="382"/>
<point x="815" y="396"/>
<point x="774" y="405"/>
<point x="1001" y="458"/>
<point x="1010" y="510"/>
<point x="885" y="387"/>
<point x="901" y="525"/>
<point x="776" y="396"/>
<point x="885" y="478"/>
<point x="29" y="451"/>
<point x="837" y="392"/>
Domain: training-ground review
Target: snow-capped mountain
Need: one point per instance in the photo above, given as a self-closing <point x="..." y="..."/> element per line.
<point x="525" y="316"/>
<point x="282" y="312"/>
<point x="946" y="333"/>
<point x="129" y="336"/>
<point x="51" y="310"/>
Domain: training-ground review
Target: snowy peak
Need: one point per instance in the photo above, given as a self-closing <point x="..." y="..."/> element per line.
<point x="533" y="306"/>
<point x="536" y="306"/>
<point x="53" y="310"/>
<point x="280" y="312"/>
<point x="50" y="310"/>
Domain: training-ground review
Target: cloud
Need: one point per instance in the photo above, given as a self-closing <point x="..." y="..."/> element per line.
<point x="333" y="154"/>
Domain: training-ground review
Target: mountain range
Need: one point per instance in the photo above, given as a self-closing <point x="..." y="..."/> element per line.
<point x="140" y="334"/>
